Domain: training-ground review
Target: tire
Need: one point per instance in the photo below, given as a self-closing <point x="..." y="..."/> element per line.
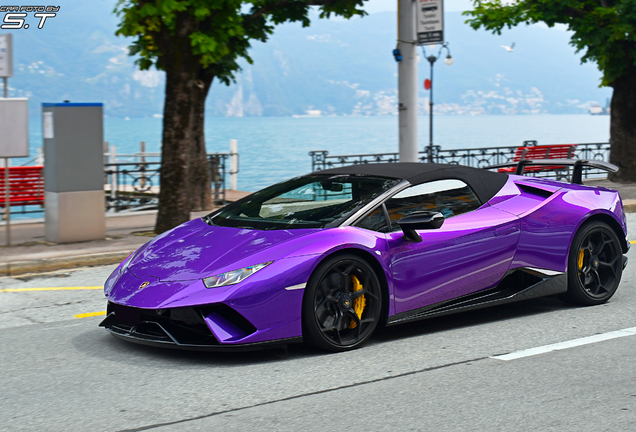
<point x="595" y="265"/>
<point x="342" y="304"/>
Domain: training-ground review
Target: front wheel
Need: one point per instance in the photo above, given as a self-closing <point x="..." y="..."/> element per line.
<point x="342" y="304"/>
<point x="595" y="265"/>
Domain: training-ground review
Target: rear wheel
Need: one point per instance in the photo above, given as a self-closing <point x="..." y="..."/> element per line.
<point x="595" y="265"/>
<point x="342" y="304"/>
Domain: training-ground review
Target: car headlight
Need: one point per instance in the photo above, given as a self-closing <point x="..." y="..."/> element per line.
<point x="233" y="277"/>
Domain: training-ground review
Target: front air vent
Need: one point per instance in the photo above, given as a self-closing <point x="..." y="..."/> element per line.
<point x="230" y="315"/>
<point x="183" y="326"/>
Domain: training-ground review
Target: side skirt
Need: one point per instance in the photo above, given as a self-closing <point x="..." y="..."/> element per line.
<point x="518" y="284"/>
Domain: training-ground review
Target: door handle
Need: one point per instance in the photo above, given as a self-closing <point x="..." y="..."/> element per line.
<point x="505" y="230"/>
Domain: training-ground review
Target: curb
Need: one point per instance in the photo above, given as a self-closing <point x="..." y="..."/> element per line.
<point x="63" y="263"/>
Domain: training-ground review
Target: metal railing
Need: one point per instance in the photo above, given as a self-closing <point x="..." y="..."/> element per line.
<point x="131" y="181"/>
<point x="134" y="186"/>
<point x="474" y="157"/>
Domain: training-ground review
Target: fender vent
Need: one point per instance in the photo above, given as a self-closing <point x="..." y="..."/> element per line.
<point x="532" y="190"/>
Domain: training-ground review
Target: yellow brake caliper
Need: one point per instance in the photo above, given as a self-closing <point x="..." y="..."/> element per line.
<point x="581" y="255"/>
<point x="359" y="303"/>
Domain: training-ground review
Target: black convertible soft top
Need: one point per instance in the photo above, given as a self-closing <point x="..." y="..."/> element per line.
<point x="485" y="183"/>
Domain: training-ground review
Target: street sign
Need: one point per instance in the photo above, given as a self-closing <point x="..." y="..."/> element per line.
<point x="427" y="84"/>
<point x="430" y="22"/>
<point x="6" y="63"/>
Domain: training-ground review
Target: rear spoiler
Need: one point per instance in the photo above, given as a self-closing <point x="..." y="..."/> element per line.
<point x="578" y="164"/>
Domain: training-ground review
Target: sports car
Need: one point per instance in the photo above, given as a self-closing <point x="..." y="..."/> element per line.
<point x="328" y="257"/>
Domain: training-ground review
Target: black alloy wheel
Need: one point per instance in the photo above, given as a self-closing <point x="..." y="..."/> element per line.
<point x="342" y="304"/>
<point x="595" y="265"/>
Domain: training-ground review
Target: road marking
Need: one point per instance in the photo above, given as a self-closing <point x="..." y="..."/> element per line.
<point x="52" y="289"/>
<point x="633" y="242"/>
<point x="567" y="344"/>
<point x="90" y="314"/>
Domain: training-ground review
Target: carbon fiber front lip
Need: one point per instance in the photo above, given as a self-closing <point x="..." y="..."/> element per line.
<point x="168" y="341"/>
<point x="211" y="348"/>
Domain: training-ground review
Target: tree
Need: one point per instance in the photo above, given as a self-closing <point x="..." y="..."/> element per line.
<point x="195" y="42"/>
<point x="605" y="31"/>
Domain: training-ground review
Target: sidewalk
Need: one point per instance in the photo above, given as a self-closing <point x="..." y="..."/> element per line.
<point x="124" y="234"/>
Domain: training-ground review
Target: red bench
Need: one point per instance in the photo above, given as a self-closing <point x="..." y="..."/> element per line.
<point x="26" y="186"/>
<point x="557" y="151"/>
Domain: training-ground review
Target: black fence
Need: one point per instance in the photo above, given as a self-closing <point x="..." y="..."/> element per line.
<point x="135" y="185"/>
<point x="475" y="157"/>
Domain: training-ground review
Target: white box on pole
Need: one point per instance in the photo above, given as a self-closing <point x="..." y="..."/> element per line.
<point x="14" y="124"/>
<point x="430" y="22"/>
<point x="6" y="56"/>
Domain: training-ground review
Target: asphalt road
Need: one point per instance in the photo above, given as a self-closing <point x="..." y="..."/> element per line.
<point x="62" y="373"/>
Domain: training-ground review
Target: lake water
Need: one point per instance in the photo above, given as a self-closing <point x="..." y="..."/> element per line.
<point x="275" y="148"/>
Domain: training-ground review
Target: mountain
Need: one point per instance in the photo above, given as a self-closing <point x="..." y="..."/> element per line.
<point x="76" y="56"/>
<point x="337" y="66"/>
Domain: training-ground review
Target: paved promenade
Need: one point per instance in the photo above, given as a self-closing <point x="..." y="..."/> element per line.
<point x="30" y="253"/>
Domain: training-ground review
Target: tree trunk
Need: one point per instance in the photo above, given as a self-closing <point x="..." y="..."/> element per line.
<point x="623" y="128"/>
<point x="185" y="175"/>
<point x="199" y="174"/>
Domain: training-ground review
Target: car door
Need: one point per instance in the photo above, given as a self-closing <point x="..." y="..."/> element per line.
<point x="470" y="252"/>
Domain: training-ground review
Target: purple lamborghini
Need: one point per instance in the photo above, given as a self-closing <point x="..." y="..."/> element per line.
<point x="328" y="257"/>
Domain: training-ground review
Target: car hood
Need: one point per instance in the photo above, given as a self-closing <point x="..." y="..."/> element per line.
<point x="196" y="250"/>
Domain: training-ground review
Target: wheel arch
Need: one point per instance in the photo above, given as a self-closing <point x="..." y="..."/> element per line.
<point x="377" y="268"/>
<point x="613" y="224"/>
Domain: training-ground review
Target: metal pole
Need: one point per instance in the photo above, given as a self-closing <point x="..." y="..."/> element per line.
<point x="113" y="177"/>
<point x="233" y="164"/>
<point x="6" y="87"/>
<point x="7" y="204"/>
<point x="407" y="81"/>
<point x="431" y="59"/>
<point x="142" y="148"/>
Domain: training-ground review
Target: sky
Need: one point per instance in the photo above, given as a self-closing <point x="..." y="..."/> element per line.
<point x="374" y="6"/>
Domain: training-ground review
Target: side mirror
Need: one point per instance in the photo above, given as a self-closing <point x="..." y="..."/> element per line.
<point x="419" y="220"/>
<point x="332" y="187"/>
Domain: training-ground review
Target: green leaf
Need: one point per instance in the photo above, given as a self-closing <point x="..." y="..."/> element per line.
<point x="218" y="32"/>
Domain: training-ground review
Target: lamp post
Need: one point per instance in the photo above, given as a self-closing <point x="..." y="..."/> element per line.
<point x="432" y="59"/>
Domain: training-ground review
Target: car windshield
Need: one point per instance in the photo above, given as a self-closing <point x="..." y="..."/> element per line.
<point x="313" y="201"/>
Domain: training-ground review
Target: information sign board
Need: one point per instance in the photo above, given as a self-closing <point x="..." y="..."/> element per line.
<point x="430" y="22"/>
<point x="14" y="124"/>
<point x="6" y="63"/>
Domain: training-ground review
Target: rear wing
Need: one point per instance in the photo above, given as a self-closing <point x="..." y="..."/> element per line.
<point x="578" y="164"/>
